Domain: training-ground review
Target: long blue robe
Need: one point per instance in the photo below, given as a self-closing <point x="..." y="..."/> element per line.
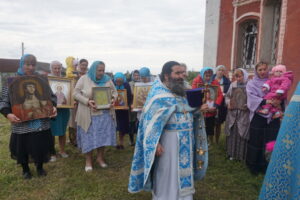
<point x="282" y="180"/>
<point x="160" y="105"/>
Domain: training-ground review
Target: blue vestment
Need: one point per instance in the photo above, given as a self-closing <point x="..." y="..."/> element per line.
<point x="282" y="180"/>
<point x="160" y="105"/>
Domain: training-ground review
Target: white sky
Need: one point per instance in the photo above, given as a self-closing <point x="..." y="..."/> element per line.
<point x="125" y="34"/>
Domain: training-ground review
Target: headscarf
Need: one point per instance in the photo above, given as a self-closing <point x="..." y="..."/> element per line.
<point x="245" y="73"/>
<point x="219" y="67"/>
<point x="255" y="94"/>
<point x="145" y="72"/>
<point x="55" y="62"/>
<point x="70" y="61"/>
<point x="92" y="74"/>
<point x="281" y="68"/>
<point x="122" y="76"/>
<point x="202" y="72"/>
<point x="21" y="65"/>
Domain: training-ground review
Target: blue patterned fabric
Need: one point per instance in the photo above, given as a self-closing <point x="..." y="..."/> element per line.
<point x="35" y="124"/>
<point x="92" y="74"/>
<point x="160" y="107"/>
<point x="282" y="180"/>
<point x="102" y="132"/>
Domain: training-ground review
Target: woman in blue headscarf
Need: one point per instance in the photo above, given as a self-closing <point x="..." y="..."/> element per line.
<point x="29" y="139"/>
<point x="95" y="128"/>
<point x="122" y="115"/>
<point x="283" y="174"/>
<point x="145" y="74"/>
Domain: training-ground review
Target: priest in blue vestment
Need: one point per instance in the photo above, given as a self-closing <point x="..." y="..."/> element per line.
<point x="171" y="145"/>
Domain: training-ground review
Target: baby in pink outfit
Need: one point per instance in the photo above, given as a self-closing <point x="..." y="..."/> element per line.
<point x="277" y="88"/>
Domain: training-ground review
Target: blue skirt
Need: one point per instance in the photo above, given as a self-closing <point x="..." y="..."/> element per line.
<point x="60" y="123"/>
<point x="102" y="132"/>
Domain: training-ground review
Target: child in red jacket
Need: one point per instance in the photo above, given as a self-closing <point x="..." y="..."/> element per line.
<point x="205" y="78"/>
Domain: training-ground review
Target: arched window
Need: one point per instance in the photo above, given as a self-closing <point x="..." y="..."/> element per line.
<point x="246" y="50"/>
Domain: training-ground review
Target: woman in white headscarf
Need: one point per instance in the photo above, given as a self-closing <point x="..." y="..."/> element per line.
<point x="237" y="119"/>
<point x="222" y="110"/>
<point x="60" y="123"/>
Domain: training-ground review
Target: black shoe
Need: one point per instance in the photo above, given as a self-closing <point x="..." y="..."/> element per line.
<point x="41" y="172"/>
<point x="27" y="175"/>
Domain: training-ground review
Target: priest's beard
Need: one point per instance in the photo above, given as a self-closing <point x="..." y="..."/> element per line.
<point x="176" y="86"/>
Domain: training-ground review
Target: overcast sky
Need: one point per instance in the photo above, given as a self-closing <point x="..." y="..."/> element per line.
<point x="125" y="34"/>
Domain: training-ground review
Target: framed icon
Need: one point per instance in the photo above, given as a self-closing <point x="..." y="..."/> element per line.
<point x="238" y="98"/>
<point x="140" y="94"/>
<point x="210" y="93"/>
<point x="121" y="102"/>
<point x="30" y="97"/>
<point x="63" y="89"/>
<point x="102" y="97"/>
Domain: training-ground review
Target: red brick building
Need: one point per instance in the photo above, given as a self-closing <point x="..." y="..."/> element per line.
<point x="239" y="33"/>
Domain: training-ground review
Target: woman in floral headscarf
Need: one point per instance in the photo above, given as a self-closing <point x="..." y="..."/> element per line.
<point x="95" y="128"/>
<point x="30" y="139"/>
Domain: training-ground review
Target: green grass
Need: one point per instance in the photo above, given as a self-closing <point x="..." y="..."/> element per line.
<point x="66" y="179"/>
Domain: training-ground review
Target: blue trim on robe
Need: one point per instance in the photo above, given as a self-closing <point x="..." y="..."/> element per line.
<point x="282" y="180"/>
<point x="159" y="107"/>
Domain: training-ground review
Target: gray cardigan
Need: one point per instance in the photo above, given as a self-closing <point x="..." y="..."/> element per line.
<point x="83" y="93"/>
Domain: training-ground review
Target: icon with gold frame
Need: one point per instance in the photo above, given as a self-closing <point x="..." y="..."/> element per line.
<point x="210" y="92"/>
<point x="140" y="94"/>
<point x="102" y="97"/>
<point x="121" y="102"/>
<point x="63" y="89"/>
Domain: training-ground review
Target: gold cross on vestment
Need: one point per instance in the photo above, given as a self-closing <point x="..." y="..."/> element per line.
<point x="288" y="142"/>
<point x="288" y="167"/>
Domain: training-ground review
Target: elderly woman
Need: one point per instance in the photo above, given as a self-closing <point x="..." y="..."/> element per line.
<point x="237" y="119"/>
<point x="59" y="124"/>
<point x="263" y="128"/>
<point x="222" y="109"/>
<point x="122" y="115"/>
<point x="95" y="128"/>
<point x="30" y="139"/>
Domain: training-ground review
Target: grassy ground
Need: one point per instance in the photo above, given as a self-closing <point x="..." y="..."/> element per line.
<point x="67" y="180"/>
